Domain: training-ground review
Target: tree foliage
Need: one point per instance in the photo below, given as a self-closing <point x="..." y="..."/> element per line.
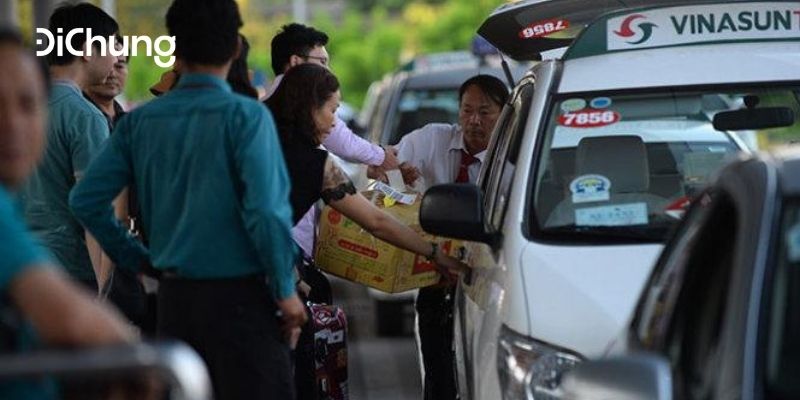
<point x="372" y="38"/>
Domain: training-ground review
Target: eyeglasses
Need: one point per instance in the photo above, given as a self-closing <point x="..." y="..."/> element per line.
<point x="322" y="60"/>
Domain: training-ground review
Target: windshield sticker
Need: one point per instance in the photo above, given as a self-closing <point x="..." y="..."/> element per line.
<point x="600" y="102"/>
<point x="543" y="28"/>
<point x="571" y="105"/>
<point x="704" y="23"/>
<point x="617" y="215"/>
<point x="588" y="188"/>
<point x="677" y="209"/>
<point x="588" y="118"/>
<point x="718" y="149"/>
<point x="793" y="244"/>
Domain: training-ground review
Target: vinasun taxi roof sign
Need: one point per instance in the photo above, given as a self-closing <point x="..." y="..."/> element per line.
<point x="689" y="25"/>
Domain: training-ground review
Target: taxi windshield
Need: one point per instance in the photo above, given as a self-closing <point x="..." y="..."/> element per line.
<point x="625" y="167"/>
<point x="419" y="107"/>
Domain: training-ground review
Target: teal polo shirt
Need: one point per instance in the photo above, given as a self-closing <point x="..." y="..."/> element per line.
<point x="212" y="184"/>
<point x="20" y="252"/>
<point x="75" y="134"/>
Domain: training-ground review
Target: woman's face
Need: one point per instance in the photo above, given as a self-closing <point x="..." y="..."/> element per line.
<point x="325" y="116"/>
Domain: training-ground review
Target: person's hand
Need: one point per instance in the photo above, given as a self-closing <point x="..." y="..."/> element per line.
<point x="390" y="160"/>
<point x="449" y="267"/>
<point x="293" y="337"/>
<point x="374" y="172"/>
<point x="293" y="314"/>
<point x="410" y="173"/>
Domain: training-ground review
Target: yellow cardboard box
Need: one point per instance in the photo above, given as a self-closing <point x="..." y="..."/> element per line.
<point x="346" y="250"/>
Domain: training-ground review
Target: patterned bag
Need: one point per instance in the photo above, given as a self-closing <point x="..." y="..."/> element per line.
<point x="329" y="327"/>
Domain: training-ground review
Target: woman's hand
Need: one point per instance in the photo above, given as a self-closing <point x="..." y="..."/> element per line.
<point x="449" y="267"/>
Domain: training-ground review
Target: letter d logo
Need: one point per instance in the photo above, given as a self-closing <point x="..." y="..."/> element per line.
<point x="51" y="42"/>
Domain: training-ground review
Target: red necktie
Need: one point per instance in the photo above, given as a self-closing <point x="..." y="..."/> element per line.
<point x="463" y="168"/>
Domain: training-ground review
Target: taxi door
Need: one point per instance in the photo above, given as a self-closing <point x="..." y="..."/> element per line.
<point x="477" y="311"/>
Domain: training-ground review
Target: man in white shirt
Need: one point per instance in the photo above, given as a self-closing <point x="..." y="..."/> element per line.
<point x="437" y="154"/>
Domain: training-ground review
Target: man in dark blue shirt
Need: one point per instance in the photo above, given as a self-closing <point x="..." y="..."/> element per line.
<point x="214" y="196"/>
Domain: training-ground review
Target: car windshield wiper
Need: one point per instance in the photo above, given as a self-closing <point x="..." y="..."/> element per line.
<point x="638" y="233"/>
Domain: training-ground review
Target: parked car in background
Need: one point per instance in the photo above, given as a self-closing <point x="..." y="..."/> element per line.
<point x="720" y="315"/>
<point x="423" y="91"/>
<point x="591" y="165"/>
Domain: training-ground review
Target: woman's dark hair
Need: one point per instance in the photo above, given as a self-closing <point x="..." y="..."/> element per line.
<point x="206" y="31"/>
<point x="304" y="88"/>
<point x="492" y="87"/>
<point x="239" y="74"/>
<point x="11" y="37"/>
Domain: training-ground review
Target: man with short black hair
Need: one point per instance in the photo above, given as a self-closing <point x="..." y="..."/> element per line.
<point x="447" y="153"/>
<point x="214" y="193"/>
<point x="75" y="135"/>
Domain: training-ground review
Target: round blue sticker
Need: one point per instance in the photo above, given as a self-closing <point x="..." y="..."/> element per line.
<point x="600" y="102"/>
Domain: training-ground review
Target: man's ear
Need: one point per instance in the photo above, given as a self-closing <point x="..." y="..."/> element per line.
<point x="295" y="60"/>
<point x="85" y="50"/>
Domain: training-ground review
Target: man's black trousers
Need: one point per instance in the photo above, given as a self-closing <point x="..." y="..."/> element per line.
<point x="231" y="323"/>
<point x="435" y="322"/>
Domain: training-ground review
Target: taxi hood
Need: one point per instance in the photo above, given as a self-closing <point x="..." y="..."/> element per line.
<point x="525" y="29"/>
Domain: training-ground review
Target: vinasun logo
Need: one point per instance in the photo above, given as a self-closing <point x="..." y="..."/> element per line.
<point x="128" y="46"/>
<point x="626" y="31"/>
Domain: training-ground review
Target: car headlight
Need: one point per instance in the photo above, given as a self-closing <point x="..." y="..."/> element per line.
<point x="530" y="369"/>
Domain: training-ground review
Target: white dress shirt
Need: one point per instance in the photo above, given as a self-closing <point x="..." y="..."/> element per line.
<point x="435" y="149"/>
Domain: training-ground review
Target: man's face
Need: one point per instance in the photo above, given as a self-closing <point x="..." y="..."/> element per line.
<point x="318" y="55"/>
<point x="99" y="67"/>
<point x="477" y="115"/>
<point x="22" y="115"/>
<point x="114" y="83"/>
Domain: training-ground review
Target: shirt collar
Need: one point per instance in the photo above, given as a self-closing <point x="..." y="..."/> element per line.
<point x="72" y="85"/>
<point x="457" y="143"/>
<point x="203" y="80"/>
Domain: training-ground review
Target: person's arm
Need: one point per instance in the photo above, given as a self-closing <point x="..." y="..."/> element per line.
<point x="349" y="146"/>
<point x="61" y="313"/>
<point x="340" y="194"/>
<point x="90" y="133"/>
<point x="266" y="209"/>
<point x="64" y="314"/>
<point x="91" y="201"/>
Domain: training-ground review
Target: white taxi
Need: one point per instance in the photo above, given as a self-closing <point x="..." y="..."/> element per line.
<point x="591" y="165"/>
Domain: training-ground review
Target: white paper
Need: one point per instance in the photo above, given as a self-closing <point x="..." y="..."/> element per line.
<point x="616" y="215"/>
<point x="395" y="194"/>
<point x="396" y="179"/>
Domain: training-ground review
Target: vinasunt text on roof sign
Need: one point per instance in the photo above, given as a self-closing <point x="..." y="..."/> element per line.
<point x="704" y="23"/>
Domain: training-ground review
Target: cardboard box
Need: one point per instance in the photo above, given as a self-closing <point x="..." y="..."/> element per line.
<point x="346" y="250"/>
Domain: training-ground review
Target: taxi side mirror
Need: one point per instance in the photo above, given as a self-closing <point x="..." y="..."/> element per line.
<point x="455" y="211"/>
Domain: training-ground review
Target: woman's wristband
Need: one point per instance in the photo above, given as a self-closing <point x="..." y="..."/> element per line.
<point x="434" y="251"/>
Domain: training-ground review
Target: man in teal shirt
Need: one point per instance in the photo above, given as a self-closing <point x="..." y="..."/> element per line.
<point x="214" y="197"/>
<point x="53" y="309"/>
<point x="75" y="135"/>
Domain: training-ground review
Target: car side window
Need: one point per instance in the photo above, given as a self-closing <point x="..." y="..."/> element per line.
<point x="502" y="165"/>
<point x="692" y="341"/>
<point x="657" y="303"/>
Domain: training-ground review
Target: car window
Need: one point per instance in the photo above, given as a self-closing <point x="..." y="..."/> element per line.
<point x="649" y="327"/>
<point x="693" y="334"/>
<point x="783" y="329"/>
<point x="419" y="107"/>
<point x="504" y="159"/>
<point x="624" y="167"/>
